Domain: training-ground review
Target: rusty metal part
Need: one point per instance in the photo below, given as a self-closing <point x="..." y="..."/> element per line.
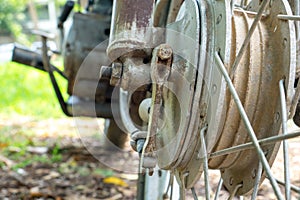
<point x="135" y="75"/>
<point x="160" y="72"/>
<point x="271" y="47"/>
<point x="116" y="74"/>
<point x="164" y="52"/>
<point x="131" y="28"/>
<point x="131" y="42"/>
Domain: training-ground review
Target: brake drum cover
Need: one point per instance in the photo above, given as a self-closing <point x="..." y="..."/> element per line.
<point x="270" y="57"/>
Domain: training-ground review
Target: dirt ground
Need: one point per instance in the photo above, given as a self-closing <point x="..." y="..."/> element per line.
<point x="85" y="168"/>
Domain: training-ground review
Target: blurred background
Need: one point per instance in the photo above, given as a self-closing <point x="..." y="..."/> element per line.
<point x="24" y="90"/>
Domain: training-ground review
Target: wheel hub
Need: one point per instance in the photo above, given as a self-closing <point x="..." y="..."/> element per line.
<point x="196" y="96"/>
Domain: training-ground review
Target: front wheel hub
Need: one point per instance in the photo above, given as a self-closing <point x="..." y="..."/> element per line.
<point x="196" y="95"/>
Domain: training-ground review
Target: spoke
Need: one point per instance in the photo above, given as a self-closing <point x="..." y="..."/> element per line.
<point x="172" y="190"/>
<point x="248" y="37"/>
<point x="194" y="193"/>
<point x="248" y="125"/>
<point x="285" y="143"/>
<point x="235" y="191"/>
<point x="289" y="17"/>
<point x="293" y="187"/>
<point x="182" y="191"/>
<point x="170" y="185"/>
<point x="250" y="145"/>
<point x="257" y="181"/>
<point x="182" y="194"/>
<point x="218" y="188"/>
<point x="205" y="164"/>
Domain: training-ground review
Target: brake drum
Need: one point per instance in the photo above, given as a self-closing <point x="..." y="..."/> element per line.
<point x="196" y="97"/>
<point x="269" y="58"/>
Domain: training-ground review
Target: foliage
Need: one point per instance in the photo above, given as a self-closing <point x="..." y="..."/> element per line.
<point x="27" y="91"/>
<point x="60" y="2"/>
<point x="11" y="13"/>
<point x="103" y="172"/>
<point x="30" y="160"/>
<point x="56" y="154"/>
<point x="14" y="142"/>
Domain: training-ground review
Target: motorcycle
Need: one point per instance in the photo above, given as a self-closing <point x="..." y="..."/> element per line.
<point x="196" y="84"/>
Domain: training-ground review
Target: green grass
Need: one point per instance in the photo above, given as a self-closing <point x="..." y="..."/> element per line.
<point x="27" y="91"/>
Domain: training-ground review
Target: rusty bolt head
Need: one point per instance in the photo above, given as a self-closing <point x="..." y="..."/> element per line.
<point x="116" y="74"/>
<point x="164" y="52"/>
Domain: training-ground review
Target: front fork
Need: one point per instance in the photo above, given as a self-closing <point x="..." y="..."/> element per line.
<point x="130" y="48"/>
<point x="131" y="42"/>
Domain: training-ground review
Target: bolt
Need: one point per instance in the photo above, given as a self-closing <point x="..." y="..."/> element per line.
<point x="116" y="75"/>
<point x="164" y="52"/>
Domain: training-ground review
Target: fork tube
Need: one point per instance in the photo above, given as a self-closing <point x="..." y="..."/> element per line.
<point x="130" y="27"/>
